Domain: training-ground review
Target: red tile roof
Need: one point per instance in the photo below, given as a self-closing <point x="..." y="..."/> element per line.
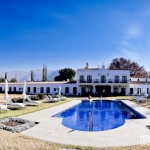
<point x="139" y="82"/>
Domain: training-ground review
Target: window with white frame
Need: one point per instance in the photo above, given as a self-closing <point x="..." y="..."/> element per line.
<point x="103" y="79"/>
<point x="89" y="79"/>
<point x="81" y="80"/>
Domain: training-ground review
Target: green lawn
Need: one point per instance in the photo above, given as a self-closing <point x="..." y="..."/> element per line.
<point x="30" y="109"/>
<point x="121" y="97"/>
<point x="33" y="143"/>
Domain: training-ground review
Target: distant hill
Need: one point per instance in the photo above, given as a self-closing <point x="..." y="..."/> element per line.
<point x="25" y="76"/>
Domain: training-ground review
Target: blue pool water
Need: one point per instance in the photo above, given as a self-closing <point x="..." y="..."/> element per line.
<point x="97" y="115"/>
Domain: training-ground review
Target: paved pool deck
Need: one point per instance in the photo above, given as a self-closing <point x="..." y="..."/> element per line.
<point x="133" y="132"/>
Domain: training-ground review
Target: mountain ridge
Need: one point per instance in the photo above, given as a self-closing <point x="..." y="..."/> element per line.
<point x="26" y="75"/>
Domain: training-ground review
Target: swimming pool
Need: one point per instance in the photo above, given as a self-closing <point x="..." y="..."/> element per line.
<point x="98" y="115"/>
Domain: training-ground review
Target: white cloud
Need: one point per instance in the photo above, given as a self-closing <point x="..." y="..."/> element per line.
<point x="130" y="54"/>
<point x="133" y="31"/>
<point x="129" y="50"/>
<point x="134" y="39"/>
<point x="128" y="46"/>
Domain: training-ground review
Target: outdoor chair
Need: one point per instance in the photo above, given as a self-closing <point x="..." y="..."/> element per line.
<point x="30" y="102"/>
<point x="11" y="104"/>
<point x="50" y="99"/>
<point x="3" y="107"/>
<point x="62" y="98"/>
<point x="140" y="99"/>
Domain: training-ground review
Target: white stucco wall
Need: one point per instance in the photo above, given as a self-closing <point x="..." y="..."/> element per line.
<point x="140" y="79"/>
<point x="142" y="83"/>
<point x="135" y="83"/>
<point x="38" y="85"/>
<point x="97" y="73"/>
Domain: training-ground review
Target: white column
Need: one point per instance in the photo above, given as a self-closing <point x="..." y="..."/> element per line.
<point x="94" y="89"/>
<point x="79" y="90"/>
<point x="86" y="89"/>
<point x="44" y="89"/>
<point x="140" y="91"/>
<point x="31" y="89"/>
<point x="127" y="90"/>
<point x="112" y="89"/>
<point x="119" y="89"/>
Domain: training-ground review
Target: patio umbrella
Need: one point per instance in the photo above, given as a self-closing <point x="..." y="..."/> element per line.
<point x="139" y="91"/>
<point x="59" y="93"/>
<point x="6" y="96"/>
<point x="145" y="93"/>
<point x="135" y="91"/>
<point x="146" y="88"/>
<point x="24" y="91"/>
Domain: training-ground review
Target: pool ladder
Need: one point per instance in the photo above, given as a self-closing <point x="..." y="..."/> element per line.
<point x="90" y="121"/>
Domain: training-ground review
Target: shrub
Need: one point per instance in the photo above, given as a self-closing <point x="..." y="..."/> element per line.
<point x="13" y="80"/>
<point x="2" y="80"/>
<point x="35" y="97"/>
<point x="17" y="100"/>
<point x="41" y="96"/>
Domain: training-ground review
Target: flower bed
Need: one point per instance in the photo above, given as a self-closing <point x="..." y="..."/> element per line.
<point x="15" y="124"/>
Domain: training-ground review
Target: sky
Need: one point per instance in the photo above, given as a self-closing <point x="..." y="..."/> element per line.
<point x="69" y="33"/>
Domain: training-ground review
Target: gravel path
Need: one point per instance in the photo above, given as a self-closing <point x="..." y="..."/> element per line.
<point x="16" y="141"/>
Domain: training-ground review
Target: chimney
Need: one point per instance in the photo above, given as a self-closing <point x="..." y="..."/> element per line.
<point x="87" y="65"/>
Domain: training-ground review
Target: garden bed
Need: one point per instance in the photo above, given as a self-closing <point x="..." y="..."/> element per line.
<point x="15" y="124"/>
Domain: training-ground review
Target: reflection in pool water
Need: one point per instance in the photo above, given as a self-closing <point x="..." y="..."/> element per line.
<point x="98" y="115"/>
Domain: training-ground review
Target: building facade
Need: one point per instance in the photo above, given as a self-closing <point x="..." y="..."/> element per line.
<point x="99" y="81"/>
<point x="102" y="81"/>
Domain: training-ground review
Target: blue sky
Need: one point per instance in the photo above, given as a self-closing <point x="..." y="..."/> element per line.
<point x="69" y="33"/>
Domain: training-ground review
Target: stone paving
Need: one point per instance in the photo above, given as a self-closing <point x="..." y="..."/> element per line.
<point x="133" y="132"/>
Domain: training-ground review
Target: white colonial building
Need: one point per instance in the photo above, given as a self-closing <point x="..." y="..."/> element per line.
<point x="99" y="81"/>
<point x="102" y="81"/>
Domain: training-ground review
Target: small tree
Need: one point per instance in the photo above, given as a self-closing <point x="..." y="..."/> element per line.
<point x="13" y="80"/>
<point x="2" y="80"/>
<point x="5" y="75"/>
<point x="64" y="74"/>
<point x="44" y="73"/>
<point x="32" y="75"/>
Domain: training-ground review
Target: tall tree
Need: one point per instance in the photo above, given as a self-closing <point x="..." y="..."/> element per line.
<point x="32" y="76"/>
<point x="64" y="74"/>
<point x="2" y="80"/>
<point x="134" y="67"/>
<point x="13" y="80"/>
<point x="44" y="75"/>
<point x="5" y="75"/>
